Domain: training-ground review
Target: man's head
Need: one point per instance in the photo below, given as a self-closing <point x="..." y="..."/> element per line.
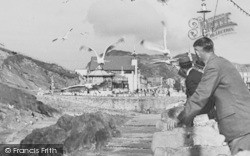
<point x="204" y="47"/>
<point x="185" y="63"/>
<point x="199" y="64"/>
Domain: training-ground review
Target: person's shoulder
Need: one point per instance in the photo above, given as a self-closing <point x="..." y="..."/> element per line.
<point x="196" y="71"/>
<point x="220" y="62"/>
<point x="214" y="61"/>
<point x="194" y="74"/>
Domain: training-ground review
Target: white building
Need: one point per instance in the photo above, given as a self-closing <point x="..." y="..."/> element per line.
<point x="122" y="65"/>
<point x="81" y="72"/>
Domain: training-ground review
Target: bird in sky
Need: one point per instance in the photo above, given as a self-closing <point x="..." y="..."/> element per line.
<point x="163" y="2"/>
<point x="168" y="61"/>
<point x="101" y="58"/>
<point x="134" y="52"/>
<point x="84" y="34"/>
<point x="66" y="1"/>
<point x="159" y="48"/>
<point x="64" y="37"/>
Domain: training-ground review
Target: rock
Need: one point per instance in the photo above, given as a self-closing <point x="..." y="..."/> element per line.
<point x="176" y="138"/>
<point x="201" y="120"/>
<point x="76" y="133"/>
<point x="243" y="153"/>
<point x="19" y="99"/>
<point x="201" y="140"/>
<point x="206" y="133"/>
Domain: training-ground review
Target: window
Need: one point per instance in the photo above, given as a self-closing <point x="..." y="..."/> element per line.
<point x="128" y="72"/>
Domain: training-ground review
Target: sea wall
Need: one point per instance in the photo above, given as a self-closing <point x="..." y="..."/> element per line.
<point x="140" y="104"/>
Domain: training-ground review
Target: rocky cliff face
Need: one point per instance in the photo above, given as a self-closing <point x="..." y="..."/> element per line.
<point x="25" y="72"/>
<point x="20" y="76"/>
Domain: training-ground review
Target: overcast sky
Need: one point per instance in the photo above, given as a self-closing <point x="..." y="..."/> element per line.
<point x="29" y="26"/>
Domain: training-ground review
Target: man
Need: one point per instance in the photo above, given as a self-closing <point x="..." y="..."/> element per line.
<point x="193" y="78"/>
<point x="232" y="99"/>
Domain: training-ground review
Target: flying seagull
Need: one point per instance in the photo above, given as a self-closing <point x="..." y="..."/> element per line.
<point x="66" y="1"/>
<point x="151" y="46"/>
<point x="134" y="52"/>
<point x="168" y="61"/>
<point x="64" y="37"/>
<point x="112" y="46"/>
<point x="85" y="33"/>
<point x="101" y="58"/>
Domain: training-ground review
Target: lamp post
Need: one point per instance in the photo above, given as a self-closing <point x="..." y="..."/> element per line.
<point x="204" y="11"/>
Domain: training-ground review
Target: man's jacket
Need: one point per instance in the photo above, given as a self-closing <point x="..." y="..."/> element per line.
<point x="192" y="81"/>
<point x="232" y="98"/>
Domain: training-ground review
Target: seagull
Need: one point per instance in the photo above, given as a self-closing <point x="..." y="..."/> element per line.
<point x="190" y="56"/>
<point x="10" y="106"/>
<point x="134" y="52"/>
<point x="66" y="1"/>
<point x="168" y="61"/>
<point x="112" y="46"/>
<point x="155" y="47"/>
<point x="85" y="33"/>
<point x="64" y="37"/>
<point x="163" y="2"/>
<point x="101" y="58"/>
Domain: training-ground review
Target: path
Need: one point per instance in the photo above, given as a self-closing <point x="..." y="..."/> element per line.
<point x="136" y="137"/>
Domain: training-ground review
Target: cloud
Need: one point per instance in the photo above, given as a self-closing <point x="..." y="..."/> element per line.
<point x="141" y="19"/>
<point x="116" y="18"/>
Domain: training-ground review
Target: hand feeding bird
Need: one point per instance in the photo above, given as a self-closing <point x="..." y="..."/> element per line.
<point x="64" y="37"/>
<point x="101" y="58"/>
<point x="151" y="46"/>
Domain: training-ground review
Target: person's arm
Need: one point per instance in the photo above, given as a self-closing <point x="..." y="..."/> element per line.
<point x="200" y="98"/>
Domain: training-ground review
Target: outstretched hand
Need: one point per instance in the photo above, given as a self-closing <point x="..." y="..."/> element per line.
<point x="171" y="124"/>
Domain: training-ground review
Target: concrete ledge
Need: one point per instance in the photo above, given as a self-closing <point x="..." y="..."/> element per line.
<point x="193" y="151"/>
<point x="140" y="104"/>
<point x="181" y="142"/>
<point x="179" y="137"/>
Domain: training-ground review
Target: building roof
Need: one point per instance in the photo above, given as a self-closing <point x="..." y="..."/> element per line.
<point x="82" y="71"/>
<point x="113" y="63"/>
<point x="101" y="73"/>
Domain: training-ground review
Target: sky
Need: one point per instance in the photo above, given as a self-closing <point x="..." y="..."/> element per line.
<point x="29" y="26"/>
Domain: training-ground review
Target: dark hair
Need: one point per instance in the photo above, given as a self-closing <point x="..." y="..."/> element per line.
<point x="186" y="65"/>
<point x="199" y="64"/>
<point x="206" y="43"/>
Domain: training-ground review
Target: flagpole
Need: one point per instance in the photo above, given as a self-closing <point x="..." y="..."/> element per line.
<point x="204" y="11"/>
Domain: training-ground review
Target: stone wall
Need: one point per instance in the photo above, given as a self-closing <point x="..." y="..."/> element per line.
<point x="140" y="104"/>
<point x="203" y="139"/>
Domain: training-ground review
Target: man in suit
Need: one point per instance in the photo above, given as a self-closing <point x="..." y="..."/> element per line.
<point x="232" y="98"/>
<point x="193" y="78"/>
